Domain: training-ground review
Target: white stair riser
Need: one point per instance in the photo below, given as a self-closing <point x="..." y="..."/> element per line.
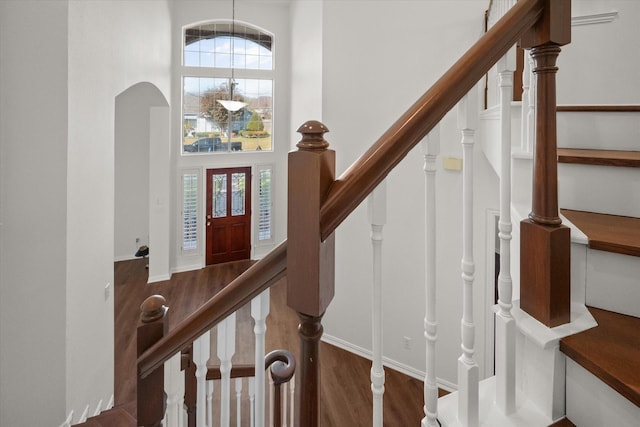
<point x="599" y="130"/>
<point x="592" y="403"/>
<point x="602" y="189"/>
<point x="613" y="282"/>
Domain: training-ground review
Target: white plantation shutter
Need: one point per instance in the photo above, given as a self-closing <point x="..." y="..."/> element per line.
<point x="265" y="208"/>
<point x="189" y="211"/>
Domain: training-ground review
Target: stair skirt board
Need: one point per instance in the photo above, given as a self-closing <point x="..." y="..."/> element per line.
<point x="592" y="403"/>
<point x="612" y="282"/>
<point x="526" y="415"/>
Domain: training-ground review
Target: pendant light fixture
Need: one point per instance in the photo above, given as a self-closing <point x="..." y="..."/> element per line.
<point x="229" y="104"/>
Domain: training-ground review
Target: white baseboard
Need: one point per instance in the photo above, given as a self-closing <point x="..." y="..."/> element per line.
<point x="110" y="403"/>
<point x="389" y="363"/>
<point x="159" y="278"/>
<point x="98" y="408"/>
<point x="67" y="422"/>
<point x="124" y="258"/>
<point x="85" y="414"/>
<point x="183" y="268"/>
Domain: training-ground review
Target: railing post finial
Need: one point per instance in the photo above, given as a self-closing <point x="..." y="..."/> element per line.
<point x="152" y="308"/>
<point x="313" y="136"/>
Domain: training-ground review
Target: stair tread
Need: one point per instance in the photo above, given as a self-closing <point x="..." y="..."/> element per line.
<point x="599" y="157"/>
<point x="611" y="233"/>
<point x="610" y="351"/>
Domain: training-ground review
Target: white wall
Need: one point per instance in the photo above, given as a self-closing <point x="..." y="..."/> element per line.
<point x="272" y="16"/>
<point x="33" y="208"/>
<point x="306" y="64"/>
<point x="378" y="58"/>
<point x="601" y="48"/>
<point x="112" y="45"/>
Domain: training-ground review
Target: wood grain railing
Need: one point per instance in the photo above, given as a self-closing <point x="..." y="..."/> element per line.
<point x="540" y="23"/>
<point x="239" y="292"/>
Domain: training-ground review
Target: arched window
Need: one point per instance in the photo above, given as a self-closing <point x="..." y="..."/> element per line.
<point x="227" y="61"/>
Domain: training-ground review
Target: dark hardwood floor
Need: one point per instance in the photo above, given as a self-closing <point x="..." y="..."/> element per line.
<point x="345" y="377"/>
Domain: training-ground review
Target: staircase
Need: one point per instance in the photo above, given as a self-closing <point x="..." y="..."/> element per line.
<point x="598" y="181"/>
<point x="318" y="203"/>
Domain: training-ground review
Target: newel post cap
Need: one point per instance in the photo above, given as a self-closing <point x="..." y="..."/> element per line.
<point x="313" y="136"/>
<point x="153" y="308"/>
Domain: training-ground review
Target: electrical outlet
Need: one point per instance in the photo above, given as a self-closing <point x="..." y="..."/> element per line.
<point x="406" y="343"/>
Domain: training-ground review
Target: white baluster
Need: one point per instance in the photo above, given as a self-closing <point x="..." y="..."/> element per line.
<point x="201" y="353"/>
<point x="271" y="401"/>
<point x="377" y="218"/>
<point x="292" y="392"/>
<point x="259" y="312"/>
<point x="210" y="387"/>
<point x="505" y="324"/>
<point x="431" y="150"/>
<point x="285" y="403"/>
<point x="239" y="402"/>
<point x="524" y="118"/>
<point x="174" y="387"/>
<point x="468" y="370"/>
<point x="252" y="401"/>
<point x="529" y="140"/>
<point x="226" y="349"/>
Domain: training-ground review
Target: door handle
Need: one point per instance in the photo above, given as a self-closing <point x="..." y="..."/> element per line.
<point x="208" y="223"/>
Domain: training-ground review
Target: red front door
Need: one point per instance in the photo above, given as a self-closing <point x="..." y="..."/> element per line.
<point x="228" y="214"/>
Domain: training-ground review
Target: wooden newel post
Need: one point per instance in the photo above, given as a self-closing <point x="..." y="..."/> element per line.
<point x="152" y="326"/>
<point x="310" y="261"/>
<point x="545" y="251"/>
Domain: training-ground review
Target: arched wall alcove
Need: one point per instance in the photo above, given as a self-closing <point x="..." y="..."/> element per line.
<point x="142" y="167"/>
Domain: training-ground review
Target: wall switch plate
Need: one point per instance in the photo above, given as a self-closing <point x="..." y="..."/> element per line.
<point x="452" y="164"/>
<point x="406" y="343"/>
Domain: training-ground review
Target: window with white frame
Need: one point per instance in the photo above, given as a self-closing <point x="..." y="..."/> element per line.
<point x="227" y="61"/>
<point x="264" y="232"/>
<point x="189" y="211"/>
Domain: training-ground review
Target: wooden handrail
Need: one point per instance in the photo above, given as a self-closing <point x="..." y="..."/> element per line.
<point x="237" y="371"/>
<point x="353" y="186"/>
<point x="239" y="292"/>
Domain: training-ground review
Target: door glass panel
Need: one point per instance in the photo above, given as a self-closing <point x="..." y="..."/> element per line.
<point x="237" y="193"/>
<point x="219" y="195"/>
